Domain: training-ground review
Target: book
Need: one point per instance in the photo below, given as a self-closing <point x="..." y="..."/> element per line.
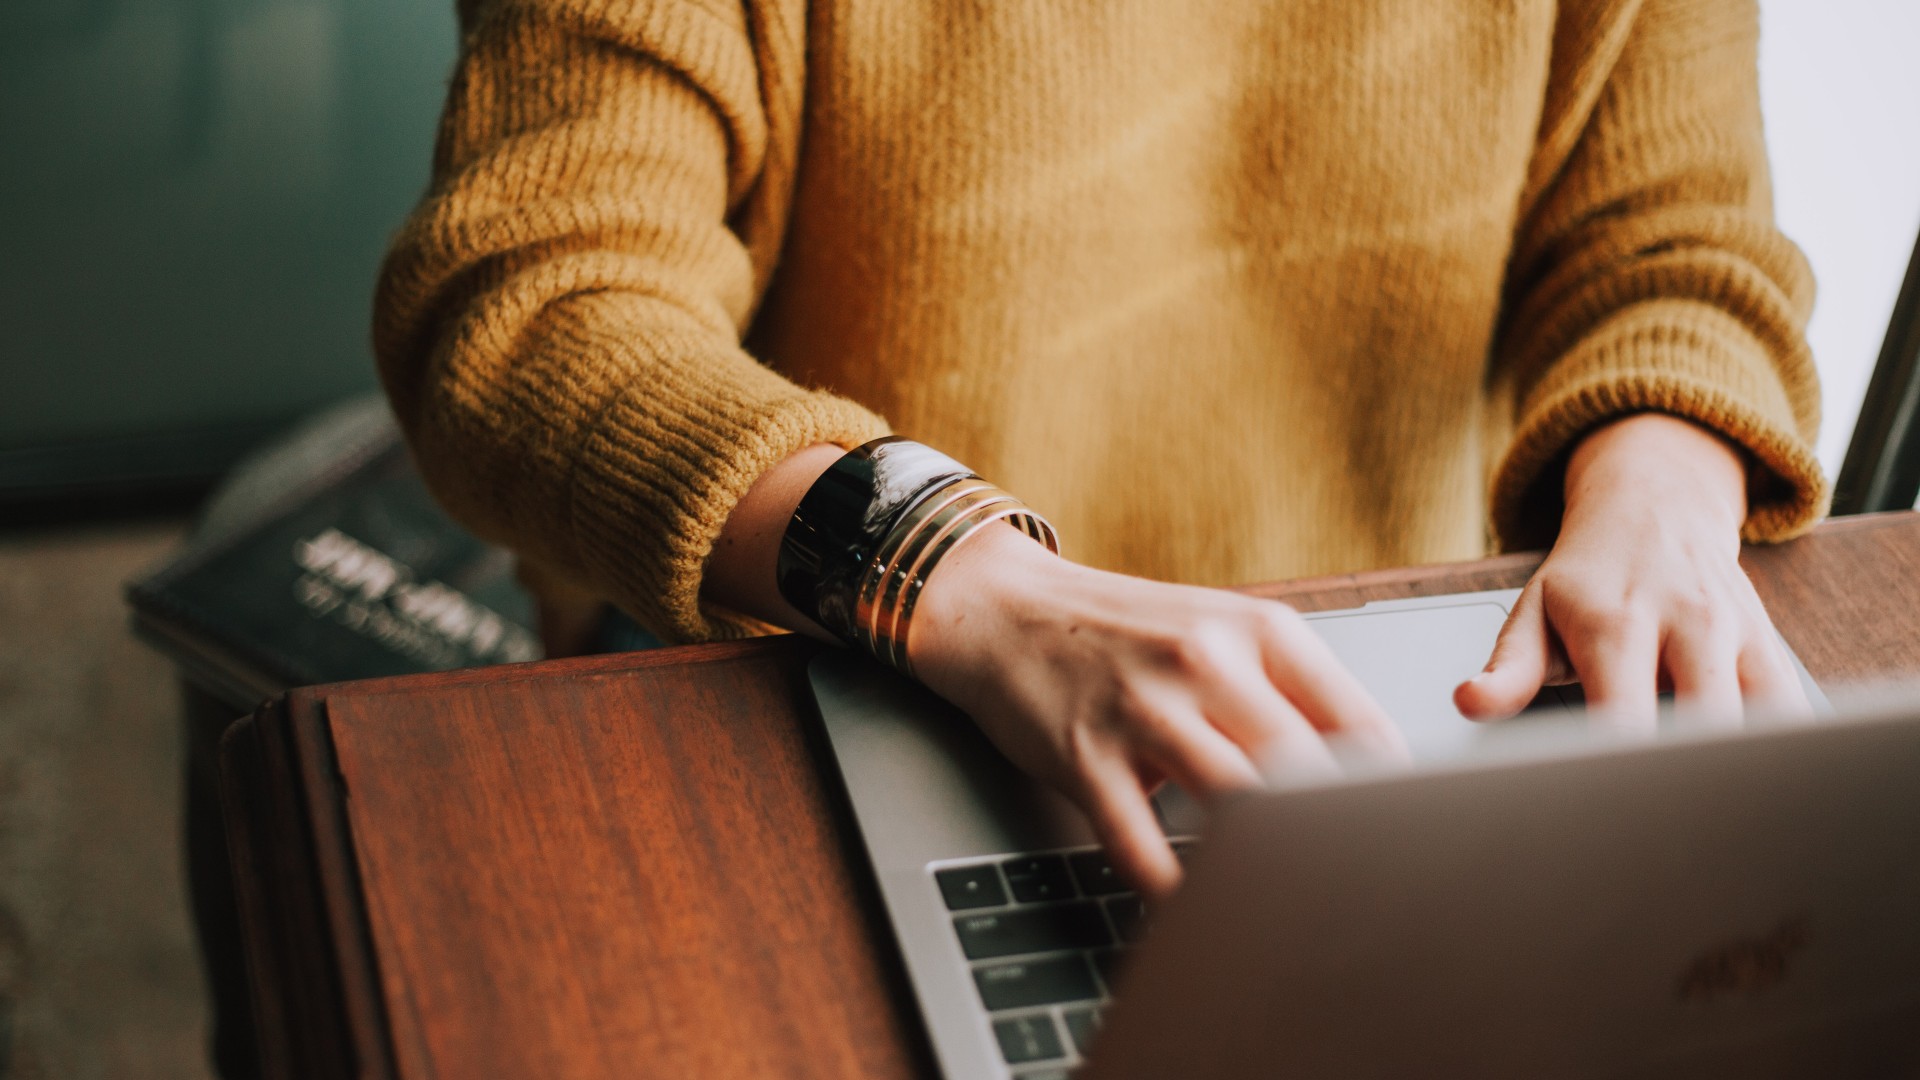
<point x="356" y="573"/>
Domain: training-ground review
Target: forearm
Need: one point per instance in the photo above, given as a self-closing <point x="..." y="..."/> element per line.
<point x="740" y="572"/>
<point x="562" y="345"/>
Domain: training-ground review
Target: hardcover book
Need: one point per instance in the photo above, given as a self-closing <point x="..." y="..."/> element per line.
<point x="356" y="575"/>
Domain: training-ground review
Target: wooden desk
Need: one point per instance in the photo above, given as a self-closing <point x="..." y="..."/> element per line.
<point x="634" y="865"/>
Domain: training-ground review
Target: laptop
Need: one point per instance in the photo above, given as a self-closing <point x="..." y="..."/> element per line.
<point x="1477" y="915"/>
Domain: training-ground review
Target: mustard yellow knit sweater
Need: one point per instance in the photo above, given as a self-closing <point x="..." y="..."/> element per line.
<point x="1231" y="291"/>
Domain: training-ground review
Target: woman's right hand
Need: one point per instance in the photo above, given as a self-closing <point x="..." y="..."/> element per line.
<point x="1104" y="685"/>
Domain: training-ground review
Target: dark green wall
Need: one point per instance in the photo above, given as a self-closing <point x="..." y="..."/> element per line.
<point x="193" y="199"/>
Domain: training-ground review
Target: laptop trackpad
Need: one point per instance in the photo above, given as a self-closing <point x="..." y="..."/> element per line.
<point x="1410" y="657"/>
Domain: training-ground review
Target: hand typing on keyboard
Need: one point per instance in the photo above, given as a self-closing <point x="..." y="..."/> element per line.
<point x="1105" y="685"/>
<point x="1643" y="591"/>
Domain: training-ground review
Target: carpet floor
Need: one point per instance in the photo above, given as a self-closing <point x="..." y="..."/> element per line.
<point x="99" y="979"/>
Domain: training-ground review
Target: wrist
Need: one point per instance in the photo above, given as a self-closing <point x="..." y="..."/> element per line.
<point x="740" y="571"/>
<point x="870" y="533"/>
<point x="974" y="592"/>
<point x="1657" y="459"/>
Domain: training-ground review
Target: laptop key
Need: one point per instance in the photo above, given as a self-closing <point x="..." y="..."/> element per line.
<point x="1028" y="1038"/>
<point x="1038" y="878"/>
<point x="1027" y="983"/>
<point x="965" y="887"/>
<point x="1095" y="873"/>
<point x="1081" y="1024"/>
<point x="1052" y="928"/>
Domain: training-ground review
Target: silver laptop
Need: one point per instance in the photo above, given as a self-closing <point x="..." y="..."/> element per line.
<point x="1529" y="901"/>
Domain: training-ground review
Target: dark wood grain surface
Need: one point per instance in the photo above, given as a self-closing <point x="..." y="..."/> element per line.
<point x="635" y="865"/>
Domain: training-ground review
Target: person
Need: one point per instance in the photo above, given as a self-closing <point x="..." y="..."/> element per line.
<point x="1227" y="293"/>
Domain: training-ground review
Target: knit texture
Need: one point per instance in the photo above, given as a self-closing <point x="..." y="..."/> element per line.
<point x="1230" y="292"/>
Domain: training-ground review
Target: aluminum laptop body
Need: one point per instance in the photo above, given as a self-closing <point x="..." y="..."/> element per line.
<point x="931" y="794"/>
<point x="1709" y="905"/>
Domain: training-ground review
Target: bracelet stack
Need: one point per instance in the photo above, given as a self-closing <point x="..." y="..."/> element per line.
<point x="870" y="532"/>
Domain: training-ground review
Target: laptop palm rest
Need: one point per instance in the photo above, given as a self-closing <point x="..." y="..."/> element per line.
<point x="951" y="792"/>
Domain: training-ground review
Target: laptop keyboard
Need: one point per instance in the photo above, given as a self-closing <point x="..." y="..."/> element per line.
<point x="1043" y="935"/>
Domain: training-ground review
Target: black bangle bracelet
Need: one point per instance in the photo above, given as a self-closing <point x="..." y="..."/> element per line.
<point x="844" y="517"/>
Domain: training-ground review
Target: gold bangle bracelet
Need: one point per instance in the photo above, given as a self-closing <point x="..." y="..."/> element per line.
<point x="1016" y="514"/>
<point x="890" y="589"/>
<point x="884" y="567"/>
<point x="918" y="556"/>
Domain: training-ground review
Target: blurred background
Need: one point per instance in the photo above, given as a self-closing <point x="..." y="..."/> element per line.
<point x="194" y="195"/>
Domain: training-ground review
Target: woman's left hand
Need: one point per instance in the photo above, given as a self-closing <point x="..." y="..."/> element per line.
<point x="1643" y="592"/>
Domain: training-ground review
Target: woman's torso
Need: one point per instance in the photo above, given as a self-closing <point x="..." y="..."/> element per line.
<point x="1212" y="286"/>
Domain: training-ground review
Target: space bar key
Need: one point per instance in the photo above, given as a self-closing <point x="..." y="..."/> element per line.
<point x="1035" y="982"/>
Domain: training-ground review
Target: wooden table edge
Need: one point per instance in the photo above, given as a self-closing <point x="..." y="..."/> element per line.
<point x="310" y="951"/>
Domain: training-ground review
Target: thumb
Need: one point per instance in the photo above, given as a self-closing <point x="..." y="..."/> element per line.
<point x="1518" y="668"/>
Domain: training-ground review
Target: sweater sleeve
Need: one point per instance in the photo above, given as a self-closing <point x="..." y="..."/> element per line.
<point x="1647" y="273"/>
<point x="558" y="324"/>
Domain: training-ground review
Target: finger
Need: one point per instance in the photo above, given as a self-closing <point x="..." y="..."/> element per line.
<point x="1197" y="756"/>
<point x="1618" y="660"/>
<point x="1123" y="819"/>
<point x="1704" y="668"/>
<point x="1149" y="776"/>
<point x="1524" y="660"/>
<point x="1279" y="741"/>
<point x="1317" y="687"/>
<point x="1769" y="678"/>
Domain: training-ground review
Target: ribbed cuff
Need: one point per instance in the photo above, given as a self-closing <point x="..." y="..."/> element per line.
<point x="1693" y="369"/>
<point x="668" y="460"/>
